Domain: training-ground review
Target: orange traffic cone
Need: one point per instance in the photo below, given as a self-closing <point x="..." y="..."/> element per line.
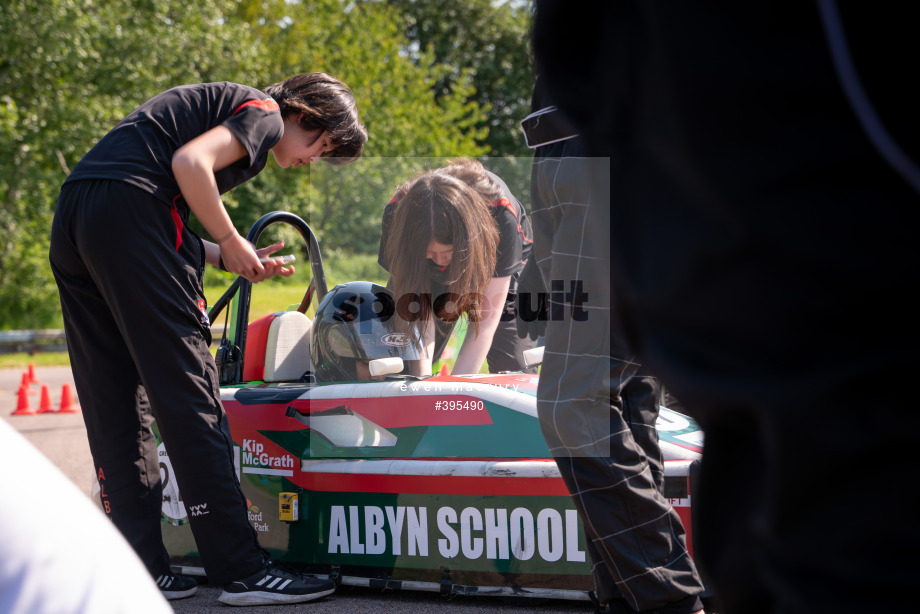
<point x="32" y="378"/>
<point x="67" y="404"/>
<point x="44" y="406"/>
<point x="22" y="403"/>
<point x="26" y="383"/>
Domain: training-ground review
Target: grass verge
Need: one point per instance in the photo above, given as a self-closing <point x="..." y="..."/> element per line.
<point x="21" y="360"/>
<point x="267" y="297"/>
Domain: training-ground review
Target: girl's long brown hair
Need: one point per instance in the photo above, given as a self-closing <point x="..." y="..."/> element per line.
<point x="446" y="205"/>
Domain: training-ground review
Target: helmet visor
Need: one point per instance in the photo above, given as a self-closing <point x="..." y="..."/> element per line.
<point x="371" y="339"/>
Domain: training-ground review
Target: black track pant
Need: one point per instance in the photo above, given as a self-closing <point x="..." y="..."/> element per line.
<point x="596" y="409"/>
<point x="139" y="353"/>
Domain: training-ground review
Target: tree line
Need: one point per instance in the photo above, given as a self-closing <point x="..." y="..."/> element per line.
<point x="434" y="79"/>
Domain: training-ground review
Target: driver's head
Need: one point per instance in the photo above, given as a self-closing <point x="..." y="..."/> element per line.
<point x="354" y="325"/>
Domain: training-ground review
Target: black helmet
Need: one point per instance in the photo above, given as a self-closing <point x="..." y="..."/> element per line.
<point x="355" y="322"/>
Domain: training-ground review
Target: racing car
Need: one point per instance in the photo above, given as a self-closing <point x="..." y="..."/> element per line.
<point x="440" y="483"/>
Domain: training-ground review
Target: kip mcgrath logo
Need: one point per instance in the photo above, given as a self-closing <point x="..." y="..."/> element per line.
<point x="255" y="459"/>
<point x="200" y="510"/>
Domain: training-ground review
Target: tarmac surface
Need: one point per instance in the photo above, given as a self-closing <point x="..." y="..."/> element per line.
<point x="61" y="437"/>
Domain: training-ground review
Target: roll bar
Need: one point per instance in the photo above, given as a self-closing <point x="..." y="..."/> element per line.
<point x="230" y="357"/>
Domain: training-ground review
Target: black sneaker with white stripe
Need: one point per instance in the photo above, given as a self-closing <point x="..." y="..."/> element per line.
<point x="176" y="587"/>
<point x="275" y="584"/>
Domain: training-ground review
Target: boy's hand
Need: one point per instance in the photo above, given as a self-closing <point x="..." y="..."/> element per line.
<point x="239" y="256"/>
<point x="274" y="266"/>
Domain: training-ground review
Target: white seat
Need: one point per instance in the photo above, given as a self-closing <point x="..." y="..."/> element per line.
<point x="287" y="348"/>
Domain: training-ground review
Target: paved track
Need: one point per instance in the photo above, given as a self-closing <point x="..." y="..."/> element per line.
<point x="62" y="438"/>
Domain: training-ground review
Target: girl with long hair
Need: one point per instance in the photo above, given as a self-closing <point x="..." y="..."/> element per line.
<point x="454" y="241"/>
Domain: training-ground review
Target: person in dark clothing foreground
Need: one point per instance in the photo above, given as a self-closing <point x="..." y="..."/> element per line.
<point x="765" y="196"/>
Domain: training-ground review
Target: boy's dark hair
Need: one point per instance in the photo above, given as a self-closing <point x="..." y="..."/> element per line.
<point x="327" y="105"/>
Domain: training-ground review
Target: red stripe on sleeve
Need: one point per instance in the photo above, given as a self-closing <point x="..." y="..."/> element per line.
<point x="504" y="202"/>
<point x="266" y="105"/>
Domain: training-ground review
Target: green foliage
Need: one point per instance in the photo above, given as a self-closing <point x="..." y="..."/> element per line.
<point x="21" y="360"/>
<point x="484" y="42"/>
<point x="339" y="268"/>
<point x="281" y="294"/>
<point x="397" y="101"/>
<point x="71" y="69"/>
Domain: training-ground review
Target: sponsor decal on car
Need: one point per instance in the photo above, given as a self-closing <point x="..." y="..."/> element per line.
<point x="678" y="429"/>
<point x="470" y="533"/>
<point x="255" y="513"/>
<point x="173" y="509"/>
<point x="256" y="459"/>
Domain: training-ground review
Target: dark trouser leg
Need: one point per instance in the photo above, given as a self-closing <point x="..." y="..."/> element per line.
<point x="640" y="399"/>
<point x="124" y="243"/>
<point x="507" y="350"/>
<point x="118" y="418"/>
<point x="113" y="401"/>
<point x="590" y="402"/>
<point x="636" y="540"/>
